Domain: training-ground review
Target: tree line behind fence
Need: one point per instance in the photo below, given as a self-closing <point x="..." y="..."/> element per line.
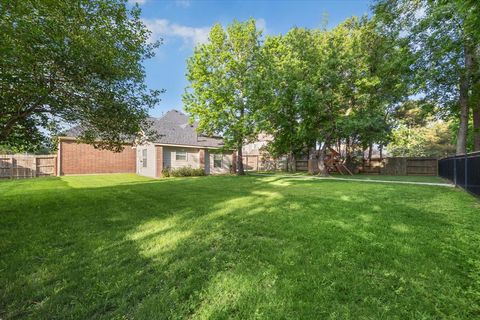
<point x="387" y="166"/>
<point x="27" y="166"/>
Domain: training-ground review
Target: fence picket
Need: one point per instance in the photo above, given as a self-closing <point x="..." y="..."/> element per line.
<point x="27" y="166"/>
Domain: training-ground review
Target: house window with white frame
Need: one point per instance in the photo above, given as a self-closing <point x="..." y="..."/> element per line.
<point x="181" y="155"/>
<point x="217" y="160"/>
<point x="144" y="158"/>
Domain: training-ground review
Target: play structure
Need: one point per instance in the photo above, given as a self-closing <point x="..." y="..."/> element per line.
<point x="334" y="163"/>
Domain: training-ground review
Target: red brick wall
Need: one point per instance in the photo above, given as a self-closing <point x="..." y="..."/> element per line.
<point x="159" y="150"/>
<point x="201" y="154"/>
<point x="80" y="158"/>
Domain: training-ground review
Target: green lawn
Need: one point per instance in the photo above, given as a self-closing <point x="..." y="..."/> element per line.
<point x="428" y="179"/>
<point x="126" y="247"/>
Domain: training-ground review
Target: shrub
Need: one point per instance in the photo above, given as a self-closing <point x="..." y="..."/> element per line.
<point x="166" y="172"/>
<point x="184" y="172"/>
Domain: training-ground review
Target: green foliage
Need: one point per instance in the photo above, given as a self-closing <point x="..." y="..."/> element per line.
<point x="226" y="84"/>
<point x="183" y="172"/>
<point x="443" y="36"/>
<point x="128" y="247"/>
<point x="73" y="63"/>
<point x="329" y="86"/>
<point x="166" y="172"/>
<point x="434" y="139"/>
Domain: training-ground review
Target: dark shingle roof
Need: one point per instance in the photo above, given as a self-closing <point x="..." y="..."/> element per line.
<point x="173" y="128"/>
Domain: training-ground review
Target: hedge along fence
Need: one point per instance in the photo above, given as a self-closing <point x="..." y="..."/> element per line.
<point x="27" y="166"/>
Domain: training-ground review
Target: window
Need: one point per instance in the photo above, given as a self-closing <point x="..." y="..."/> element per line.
<point x="217" y="160"/>
<point x="144" y="158"/>
<point x="181" y="155"/>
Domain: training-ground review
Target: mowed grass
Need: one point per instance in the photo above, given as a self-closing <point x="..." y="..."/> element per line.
<point x="126" y="247"/>
<point x="375" y="177"/>
<point x="427" y="179"/>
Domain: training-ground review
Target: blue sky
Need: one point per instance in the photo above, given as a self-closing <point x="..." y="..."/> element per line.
<point x="185" y="23"/>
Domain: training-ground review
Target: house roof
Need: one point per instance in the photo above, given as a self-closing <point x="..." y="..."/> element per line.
<point x="173" y="128"/>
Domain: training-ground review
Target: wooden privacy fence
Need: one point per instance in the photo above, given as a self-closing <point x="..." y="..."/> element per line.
<point x="388" y="166"/>
<point x="27" y="166"/>
<point x="401" y="166"/>
<point x="262" y="163"/>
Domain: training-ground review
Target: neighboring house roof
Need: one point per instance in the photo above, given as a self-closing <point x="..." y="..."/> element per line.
<point x="255" y="148"/>
<point x="173" y="128"/>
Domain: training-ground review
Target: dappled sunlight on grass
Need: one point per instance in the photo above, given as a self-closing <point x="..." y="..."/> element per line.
<point x="366" y="217"/>
<point x="226" y="293"/>
<point x="122" y="246"/>
<point x="281" y="182"/>
<point x="401" y="228"/>
<point x="268" y="195"/>
<point x="102" y="181"/>
<point x="162" y="242"/>
<point x="152" y="227"/>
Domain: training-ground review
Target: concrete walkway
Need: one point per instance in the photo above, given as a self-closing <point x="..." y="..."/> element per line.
<point x="356" y="180"/>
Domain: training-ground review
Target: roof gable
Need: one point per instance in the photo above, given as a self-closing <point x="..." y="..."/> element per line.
<point x="174" y="128"/>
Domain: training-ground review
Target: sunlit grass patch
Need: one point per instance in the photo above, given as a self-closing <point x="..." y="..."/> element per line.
<point x="123" y="246"/>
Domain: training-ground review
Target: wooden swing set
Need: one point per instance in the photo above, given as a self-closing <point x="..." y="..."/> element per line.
<point x="334" y="163"/>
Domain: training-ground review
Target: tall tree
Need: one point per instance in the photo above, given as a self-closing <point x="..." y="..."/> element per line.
<point x="358" y="80"/>
<point x="73" y="62"/>
<point x="444" y="37"/>
<point x="470" y="9"/>
<point x="330" y="86"/>
<point x="289" y="60"/>
<point x="226" y="86"/>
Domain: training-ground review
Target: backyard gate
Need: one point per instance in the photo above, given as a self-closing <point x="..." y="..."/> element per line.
<point x="462" y="170"/>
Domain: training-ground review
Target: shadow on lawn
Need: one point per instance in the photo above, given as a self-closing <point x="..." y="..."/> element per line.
<point x="230" y="247"/>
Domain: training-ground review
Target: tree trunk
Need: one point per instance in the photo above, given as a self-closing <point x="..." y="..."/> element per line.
<point x="370" y="150"/>
<point x="240" y="170"/>
<point x="323" y="170"/>
<point x="381" y="151"/>
<point x="463" y="103"/>
<point x="291" y="162"/>
<point x="476" y="109"/>
<point x="476" y="126"/>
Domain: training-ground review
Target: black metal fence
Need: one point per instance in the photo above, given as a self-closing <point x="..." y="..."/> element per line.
<point x="462" y="170"/>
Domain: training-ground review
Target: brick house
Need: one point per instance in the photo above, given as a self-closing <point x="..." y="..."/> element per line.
<point x="178" y="145"/>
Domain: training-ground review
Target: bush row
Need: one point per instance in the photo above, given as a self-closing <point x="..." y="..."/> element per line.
<point x="182" y="172"/>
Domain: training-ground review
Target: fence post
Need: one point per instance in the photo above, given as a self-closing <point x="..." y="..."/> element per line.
<point x="35" y="166"/>
<point x="455" y="170"/>
<point x="11" y="168"/>
<point x="466" y="171"/>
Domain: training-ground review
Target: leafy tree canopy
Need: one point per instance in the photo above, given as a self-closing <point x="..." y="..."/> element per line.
<point x="226" y="84"/>
<point x="73" y="63"/>
<point x="444" y="38"/>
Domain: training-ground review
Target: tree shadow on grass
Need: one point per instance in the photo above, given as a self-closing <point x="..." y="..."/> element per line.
<point x="227" y="247"/>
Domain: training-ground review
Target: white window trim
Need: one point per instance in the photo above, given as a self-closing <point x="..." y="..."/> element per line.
<point x="221" y="161"/>
<point x="186" y="156"/>
<point x="144" y="158"/>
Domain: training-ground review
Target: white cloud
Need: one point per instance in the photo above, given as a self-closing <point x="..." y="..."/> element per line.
<point x="261" y="25"/>
<point x="191" y="36"/>
<point x="162" y="28"/>
<point x="183" y="3"/>
<point x="137" y="1"/>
